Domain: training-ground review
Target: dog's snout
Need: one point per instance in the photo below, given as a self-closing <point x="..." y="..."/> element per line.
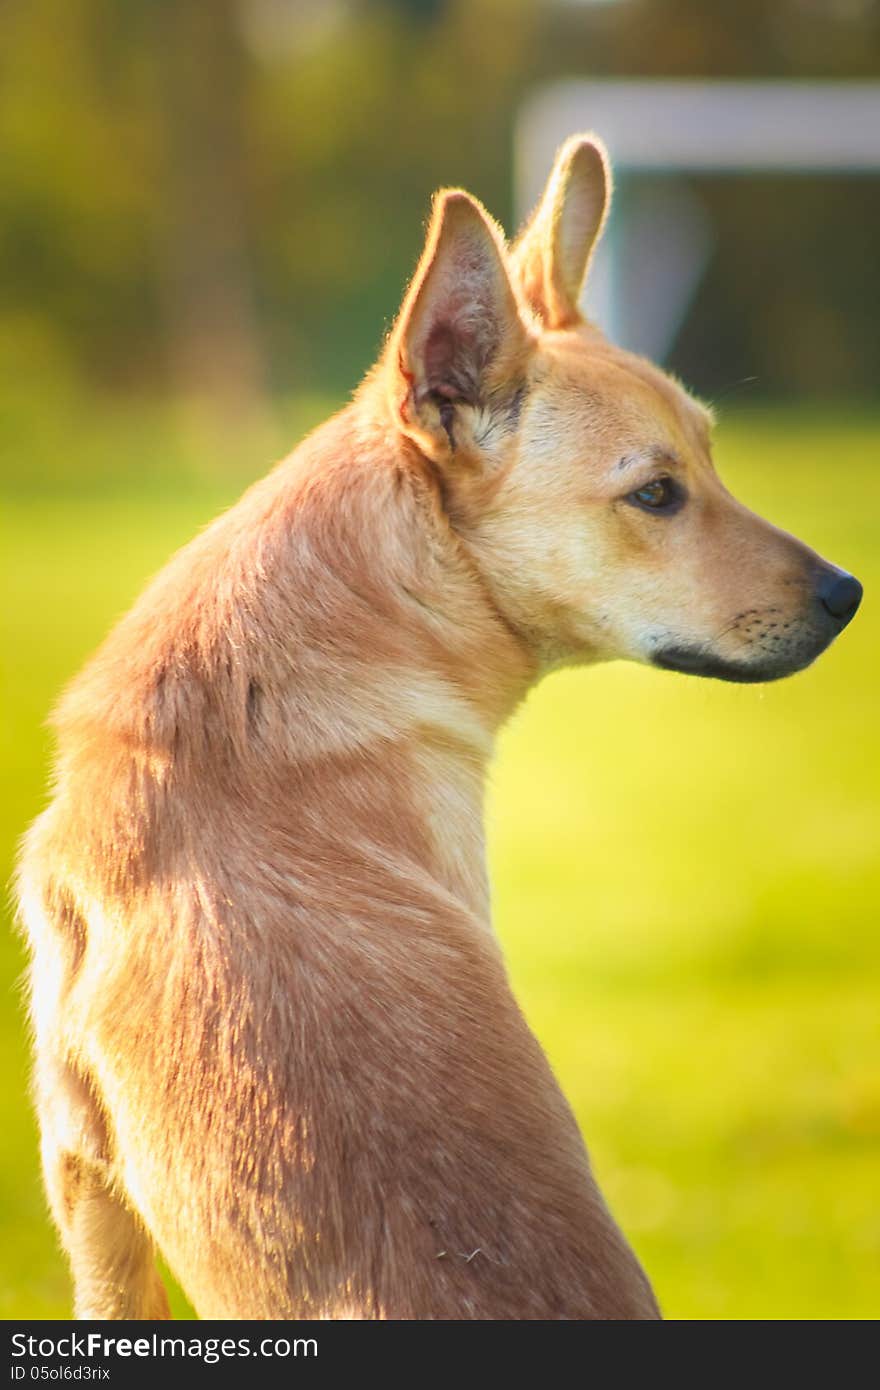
<point x="840" y="595"/>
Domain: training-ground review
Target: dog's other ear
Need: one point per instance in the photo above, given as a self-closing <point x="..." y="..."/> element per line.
<point x="458" y="349"/>
<point x="551" y="255"/>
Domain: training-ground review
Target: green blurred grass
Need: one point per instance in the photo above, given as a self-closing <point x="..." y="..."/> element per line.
<point x="686" y="878"/>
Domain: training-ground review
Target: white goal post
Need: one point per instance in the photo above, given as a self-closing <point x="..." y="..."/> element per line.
<point x="659" y="232"/>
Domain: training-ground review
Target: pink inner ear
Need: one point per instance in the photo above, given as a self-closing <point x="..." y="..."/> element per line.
<point x="439" y="355"/>
<point x="453" y="362"/>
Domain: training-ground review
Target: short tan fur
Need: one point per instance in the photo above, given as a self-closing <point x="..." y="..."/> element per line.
<point x="274" y="1036"/>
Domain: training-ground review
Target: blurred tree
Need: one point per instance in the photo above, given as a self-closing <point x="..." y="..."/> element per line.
<point x="77" y="189"/>
<point x="204" y="265"/>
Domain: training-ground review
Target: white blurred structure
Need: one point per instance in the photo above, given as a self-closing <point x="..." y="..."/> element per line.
<point x="659" y="238"/>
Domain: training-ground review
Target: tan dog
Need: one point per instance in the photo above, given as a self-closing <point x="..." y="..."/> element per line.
<point x="274" y="1034"/>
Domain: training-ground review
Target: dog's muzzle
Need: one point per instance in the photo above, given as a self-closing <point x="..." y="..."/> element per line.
<point x="834" y="601"/>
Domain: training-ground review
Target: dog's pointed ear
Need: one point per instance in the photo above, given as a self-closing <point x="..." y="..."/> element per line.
<point x="552" y="253"/>
<point x="459" y="345"/>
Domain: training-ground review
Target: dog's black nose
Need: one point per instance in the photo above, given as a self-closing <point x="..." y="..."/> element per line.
<point x="840" y="595"/>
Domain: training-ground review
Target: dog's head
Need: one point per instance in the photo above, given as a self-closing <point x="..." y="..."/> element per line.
<point x="580" y="476"/>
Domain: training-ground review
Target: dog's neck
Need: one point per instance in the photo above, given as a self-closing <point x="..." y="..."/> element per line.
<point x="459" y="669"/>
<point x="422" y="669"/>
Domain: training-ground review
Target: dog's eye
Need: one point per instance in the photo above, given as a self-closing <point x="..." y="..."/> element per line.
<point x="660" y="495"/>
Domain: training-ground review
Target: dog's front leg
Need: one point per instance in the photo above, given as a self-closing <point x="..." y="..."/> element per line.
<point x="111" y="1255"/>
